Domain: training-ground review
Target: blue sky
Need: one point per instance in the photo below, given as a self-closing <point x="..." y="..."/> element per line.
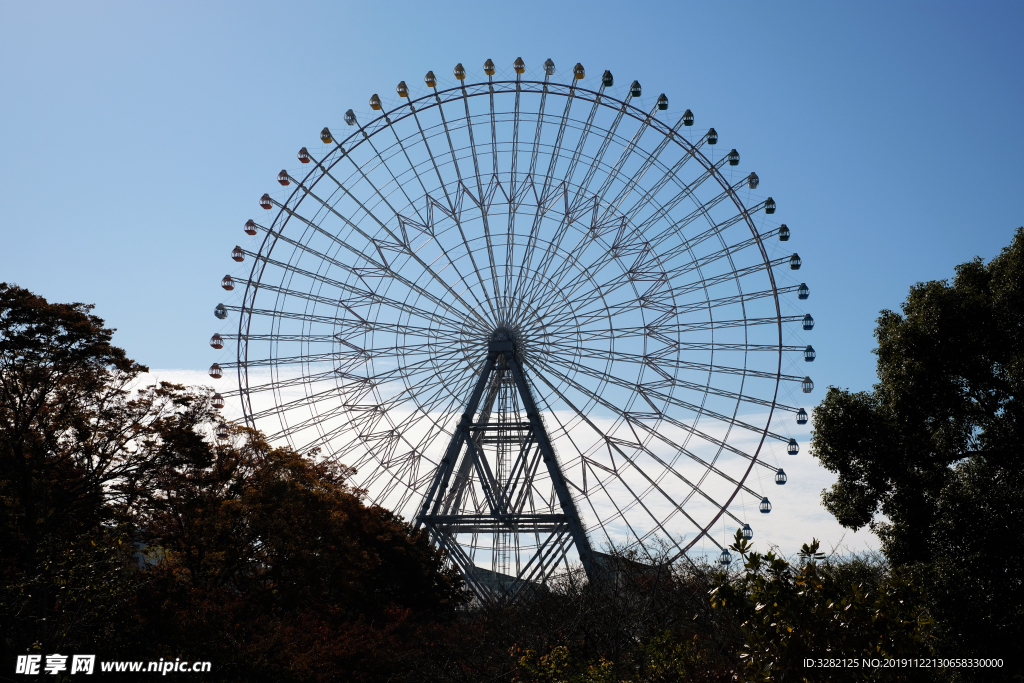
<point x="137" y="137"/>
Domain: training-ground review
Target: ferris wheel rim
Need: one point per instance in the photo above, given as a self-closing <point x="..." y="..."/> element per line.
<point x="271" y="237"/>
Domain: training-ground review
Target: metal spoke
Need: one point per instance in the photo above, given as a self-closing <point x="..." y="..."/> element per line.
<point x="394" y="241"/>
<point x="637" y="499"/>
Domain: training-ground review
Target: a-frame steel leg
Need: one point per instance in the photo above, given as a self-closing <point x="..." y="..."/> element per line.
<point x="435" y="495"/>
<point x="444" y="524"/>
<point x="565" y="501"/>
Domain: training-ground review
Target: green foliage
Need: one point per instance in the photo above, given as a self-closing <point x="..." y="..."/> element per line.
<point x="977" y="574"/>
<point x="821" y="610"/>
<point x="938" y="449"/>
<point x="817" y="607"/>
<point x="558" y="667"/>
<point x="641" y="621"/>
<point x="665" y="658"/>
<point x="951" y="370"/>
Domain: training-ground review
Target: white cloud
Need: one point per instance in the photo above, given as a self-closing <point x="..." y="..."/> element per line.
<point x="797" y="514"/>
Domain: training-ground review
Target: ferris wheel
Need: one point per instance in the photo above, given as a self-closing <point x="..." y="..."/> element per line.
<point x="536" y="318"/>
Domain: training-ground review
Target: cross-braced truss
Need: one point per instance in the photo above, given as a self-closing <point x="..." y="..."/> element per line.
<point x="635" y="268"/>
<point x="495" y="460"/>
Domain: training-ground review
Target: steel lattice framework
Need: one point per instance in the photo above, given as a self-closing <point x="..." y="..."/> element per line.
<point x="531" y="315"/>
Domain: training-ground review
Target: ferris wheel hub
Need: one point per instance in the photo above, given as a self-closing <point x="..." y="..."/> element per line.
<point x="505" y="338"/>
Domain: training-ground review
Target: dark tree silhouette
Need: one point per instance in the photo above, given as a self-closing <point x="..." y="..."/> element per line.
<point x="66" y="419"/>
<point x="938" y="448"/>
<point x="268" y="564"/>
<point x="67" y="427"/>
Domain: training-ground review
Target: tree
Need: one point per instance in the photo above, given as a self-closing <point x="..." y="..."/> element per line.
<point x="65" y="419"/>
<point x="67" y="423"/>
<point x="937" y="447"/>
<point x="273" y="566"/>
<point x="244" y="514"/>
<point x="268" y="560"/>
<point x="847" y="610"/>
